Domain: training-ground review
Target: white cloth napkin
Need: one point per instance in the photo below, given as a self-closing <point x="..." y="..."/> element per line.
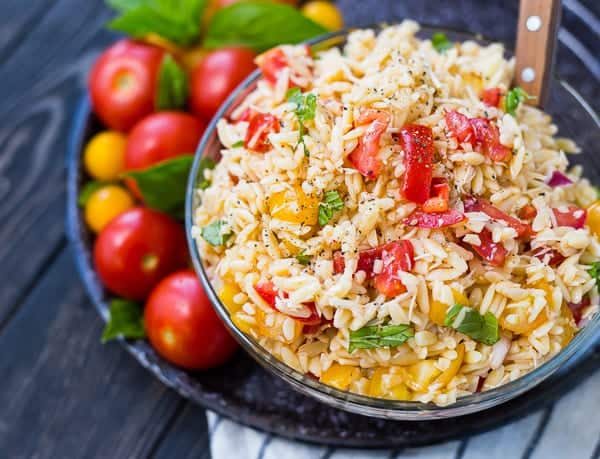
<point x="568" y="429"/>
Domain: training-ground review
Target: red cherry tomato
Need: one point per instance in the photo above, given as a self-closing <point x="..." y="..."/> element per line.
<point x="161" y="136"/>
<point x="217" y="75"/>
<point x="182" y="325"/>
<point x="137" y="249"/>
<point x="473" y="204"/>
<point x="570" y="216"/>
<point x="396" y="256"/>
<point x="261" y="125"/>
<point x="123" y="83"/>
<point x="491" y="251"/>
<point x="417" y="143"/>
<point x="364" y="157"/>
<point x="423" y="219"/>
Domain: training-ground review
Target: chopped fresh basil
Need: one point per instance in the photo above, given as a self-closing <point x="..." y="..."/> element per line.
<point x="205" y="163"/>
<point x="172" y="89"/>
<point x="513" y="98"/>
<point x="303" y="259"/>
<point x="306" y="106"/>
<point x="260" y="26"/>
<point x="594" y="271"/>
<point x="175" y="20"/>
<point x="163" y="185"/>
<point x="239" y="143"/>
<point x="482" y="328"/>
<point x="440" y="42"/>
<point x="126" y="319"/>
<point x="375" y="336"/>
<point x="88" y="190"/>
<point x="217" y="233"/>
<point x="331" y="204"/>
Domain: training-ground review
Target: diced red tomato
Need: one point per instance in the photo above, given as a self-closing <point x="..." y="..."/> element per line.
<point x="269" y="293"/>
<point x="480" y="132"/>
<point x="577" y="309"/>
<point x="438" y="197"/>
<point x="528" y="212"/>
<point x="366" y="260"/>
<point x="549" y="256"/>
<point x="423" y="219"/>
<point x="459" y="126"/>
<point x="247" y="115"/>
<point x="417" y="143"/>
<point x="272" y="63"/>
<point x="339" y="264"/>
<point x="491" y="96"/>
<point x="261" y="125"/>
<point x="493" y="252"/>
<point x="571" y="216"/>
<point x="396" y="256"/>
<point x="473" y="204"/>
<point x="364" y="156"/>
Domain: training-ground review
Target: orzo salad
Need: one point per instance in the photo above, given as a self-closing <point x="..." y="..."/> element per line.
<point x="394" y="220"/>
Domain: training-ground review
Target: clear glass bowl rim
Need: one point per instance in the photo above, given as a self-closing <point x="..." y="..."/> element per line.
<point x="370" y="406"/>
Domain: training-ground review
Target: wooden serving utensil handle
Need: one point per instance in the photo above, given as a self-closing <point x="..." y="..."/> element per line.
<point x="537" y="30"/>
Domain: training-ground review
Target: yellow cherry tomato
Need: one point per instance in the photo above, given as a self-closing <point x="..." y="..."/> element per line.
<point x="323" y="13"/>
<point x="105" y="204"/>
<point x="295" y="206"/>
<point x="593" y="218"/>
<point x="104" y="155"/>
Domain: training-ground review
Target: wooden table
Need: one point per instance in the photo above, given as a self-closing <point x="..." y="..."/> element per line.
<point x="63" y="394"/>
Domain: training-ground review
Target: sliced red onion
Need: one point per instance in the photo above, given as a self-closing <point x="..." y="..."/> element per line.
<point x="499" y="352"/>
<point x="557" y="178"/>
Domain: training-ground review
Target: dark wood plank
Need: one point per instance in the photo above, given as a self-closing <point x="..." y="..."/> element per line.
<point x="64" y="395"/>
<point x="42" y="81"/>
<point x="187" y="438"/>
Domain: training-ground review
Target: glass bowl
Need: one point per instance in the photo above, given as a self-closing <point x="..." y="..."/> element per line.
<point x="575" y="120"/>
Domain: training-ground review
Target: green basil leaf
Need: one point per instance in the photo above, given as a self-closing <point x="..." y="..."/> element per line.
<point x="375" y="336"/>
<point x="303" y="259"/>
<point x="217" y="233"/>
<point x="163" y="185"/>
<point x="440" y="42"/>
<point x="176" y="20"/>
<point x="594" y="272"/>
<point x="482" y="328"/>
<point x="513" y="98"/>
<point x="260" y="26"/>
<point x="331" y="204"/>
<point x="306" y="107"/>
<point x="205" y="163"/>
<point x="88" y="190"/>
<point x="126" y="319"/>
<point x="239" y="143"/>
<point x="172" y="89"/>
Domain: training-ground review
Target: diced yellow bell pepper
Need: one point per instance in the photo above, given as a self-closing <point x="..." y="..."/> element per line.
<point x="399" y="392"/>
<point x="474" y="80"/>
<point x="569" y="329"/>
<point x="376" y="384"/>
<point x="239" y="320"/>
<point x="421" y="374"/>
<point x="522" y="326"/>
<point x="295" y="206"/>
<point x="437" y="309"/>
<point x="228" y="291"/>
<point x="340" y="376"/>
<point x="447" y="375"/>
<point x="593" y="218"/>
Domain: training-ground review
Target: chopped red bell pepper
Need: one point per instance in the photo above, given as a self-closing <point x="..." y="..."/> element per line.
<point x="577" y="309"/>
<point x="571" y="216"/>
<point x="491" y="96"/>
<point x="551" y="257"/>
<point x="396" y="256"/>
<point x="473" y="204"/>
<point x="417" y="143"/>
<point x="261" y="125"/>
<point x="423" y="219"/>
<point x="272" y="63"/>
<point x="364" y="157"/>
<point x="493" y="252"/>
<point x="439" y="196"/>
<point x="269" y="293"/>
<point x="480" y="132"/>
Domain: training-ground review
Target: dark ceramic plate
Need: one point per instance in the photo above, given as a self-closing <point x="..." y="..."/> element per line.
<point x="245" y="392"/>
